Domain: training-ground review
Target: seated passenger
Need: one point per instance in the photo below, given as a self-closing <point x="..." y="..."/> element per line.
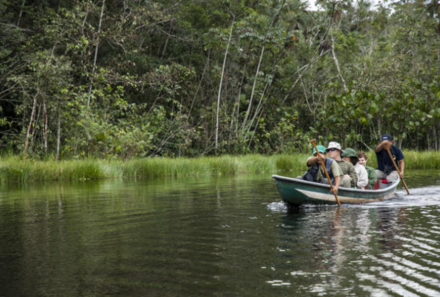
<point x="370" y="170"/>
<point x="317" y="174"/>
<point x="349" y="155"/>
<point x="349" y="178"/>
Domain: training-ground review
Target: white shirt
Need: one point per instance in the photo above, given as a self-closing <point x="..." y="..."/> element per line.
<point x="362" y="175"/>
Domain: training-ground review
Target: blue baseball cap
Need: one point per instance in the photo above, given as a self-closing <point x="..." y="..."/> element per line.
<point x="387" y="137"/>
<point x="321" y="149"/>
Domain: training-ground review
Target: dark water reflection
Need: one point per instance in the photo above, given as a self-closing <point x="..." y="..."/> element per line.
<point x="228" y="236"/>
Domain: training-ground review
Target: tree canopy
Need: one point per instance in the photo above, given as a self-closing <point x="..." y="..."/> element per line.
<point x="136" y="78"/>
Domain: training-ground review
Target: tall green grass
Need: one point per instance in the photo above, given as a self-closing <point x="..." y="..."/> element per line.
<point x="413" y="160"/>
<point x="422" y="160"/>
<point x="15" y="169"/>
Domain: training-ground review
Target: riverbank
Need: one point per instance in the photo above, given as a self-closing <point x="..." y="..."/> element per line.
<point x="15" y="169"/>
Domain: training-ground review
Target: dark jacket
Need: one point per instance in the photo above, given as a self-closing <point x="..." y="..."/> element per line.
<point x="312" y="173"/>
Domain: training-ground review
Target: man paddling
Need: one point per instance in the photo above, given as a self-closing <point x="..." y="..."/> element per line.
<point x="316" y="173"/>
<point x="385" y="166"/>
<point x="349" y="177"/>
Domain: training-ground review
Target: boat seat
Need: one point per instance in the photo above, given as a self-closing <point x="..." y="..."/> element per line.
<point x="383" y="182"/>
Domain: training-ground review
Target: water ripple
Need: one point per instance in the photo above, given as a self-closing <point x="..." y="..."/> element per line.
<point x="409" y="283"/>
<point x="215" y="237"/>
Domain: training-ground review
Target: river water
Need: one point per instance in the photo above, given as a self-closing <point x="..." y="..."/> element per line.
<point x="215" y="236"/>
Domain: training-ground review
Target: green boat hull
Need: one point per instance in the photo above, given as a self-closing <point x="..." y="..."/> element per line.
<point x="296" y="191"/>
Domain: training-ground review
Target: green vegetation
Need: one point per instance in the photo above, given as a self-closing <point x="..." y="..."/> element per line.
<point x="425" y="160"/>
<point x="14" y="169"/>
<point x="135" y="79"/>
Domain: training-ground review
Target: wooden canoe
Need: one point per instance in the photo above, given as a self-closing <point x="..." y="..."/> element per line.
<point x="296" y="191"/>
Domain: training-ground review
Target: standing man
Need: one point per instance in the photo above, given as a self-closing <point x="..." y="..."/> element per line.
<point x="385" y="166"/>
<point x="349" y="178"/>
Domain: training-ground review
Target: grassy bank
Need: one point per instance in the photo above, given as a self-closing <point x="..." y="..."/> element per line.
<point x="413" y="160"/>
<point x="14" y="169"/>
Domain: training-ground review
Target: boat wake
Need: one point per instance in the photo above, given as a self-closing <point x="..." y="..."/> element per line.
<point x="418" y="197"/>
<point x="277" y="206"/>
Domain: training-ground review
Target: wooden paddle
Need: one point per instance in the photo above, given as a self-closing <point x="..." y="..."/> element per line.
<point x="397" y="168"/>
<point x="313" y="142"/>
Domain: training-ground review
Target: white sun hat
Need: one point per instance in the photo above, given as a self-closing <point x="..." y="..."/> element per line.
<point x="333" y="144"/>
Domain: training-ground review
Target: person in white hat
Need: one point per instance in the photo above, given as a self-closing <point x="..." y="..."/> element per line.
<point x="349" y="178"/>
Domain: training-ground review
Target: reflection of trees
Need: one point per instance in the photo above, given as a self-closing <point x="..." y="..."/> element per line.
<point x="132" y="237"/>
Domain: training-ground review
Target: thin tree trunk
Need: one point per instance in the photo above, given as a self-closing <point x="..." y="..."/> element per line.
<point x="243" y="126"/>
<point x="31" y="121"/>
<point x="34" y="130"/>
<point x="220" y="85"/>
<point x="84" y="21"/>
<point x="57" y="158"/>
<point x="166" y="41"/>
<point x="257" y="111"/>
<point x="335" y="59"/>
<point x="248" y="111"/>
<point x="21" y="13"/>
<point x="261" y="101"/>
<point x="434" y="134"/>
<point x="200" y="83"/>
<point x="294" y="84"/>
<point x="96" y="53"/>
<point x="238" y="101"/>
<point x="45" y="126"/>
<point x="256" y="126"/>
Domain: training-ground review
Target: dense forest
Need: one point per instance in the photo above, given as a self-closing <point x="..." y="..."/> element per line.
<point x="137" y="78"/>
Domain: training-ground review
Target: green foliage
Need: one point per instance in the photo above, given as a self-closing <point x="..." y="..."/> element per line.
<point x="14" y="169"/>
<point x="142" y="79"/>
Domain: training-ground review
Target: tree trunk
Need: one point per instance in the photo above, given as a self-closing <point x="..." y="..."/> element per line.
<point x="257" y="111"/>
<point x="167" y="40"/>
<point x="243" y="126"/>
<point x="335" y="59"/>
<point x="57" y="158"/>
<point x="265" y="92"/>
<point x="45" y="126"/>
<point x="96" y="53"/>
<point x="34" y="131"/>
<point x="294" y="84"/>
<point x="31" y="121"/>
<point x="248" y="111"/>
<point x="436" y="143"/>
<point x="238" y="102"/>
<point x="220" y="86"/>
<point x="21" y="13"/>
<point x="200" y="83"/>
